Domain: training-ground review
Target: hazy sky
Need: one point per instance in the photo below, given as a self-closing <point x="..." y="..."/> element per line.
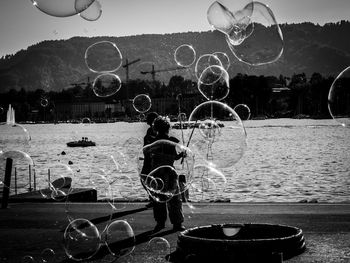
<point x="22" y="24"/>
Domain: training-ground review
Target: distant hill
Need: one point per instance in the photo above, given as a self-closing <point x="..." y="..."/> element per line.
<point x="54" y="65"/>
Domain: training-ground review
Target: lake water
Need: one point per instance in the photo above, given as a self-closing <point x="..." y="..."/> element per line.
<point x="286" y="160"/>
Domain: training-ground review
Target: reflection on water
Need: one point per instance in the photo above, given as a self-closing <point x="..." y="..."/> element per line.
<point x="286" y="159"/>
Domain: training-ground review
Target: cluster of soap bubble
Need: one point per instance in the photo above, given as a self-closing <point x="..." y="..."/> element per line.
<point x="90" y="10"/>
<point x="47" y="255"/>
<point x="82" y="239"/>
<point x="104" y="58"/>
<point x="251" y="30"/>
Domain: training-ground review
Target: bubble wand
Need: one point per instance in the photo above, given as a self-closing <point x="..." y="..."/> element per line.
<point x="179" y="116"/>
<point x="189" y="139"/>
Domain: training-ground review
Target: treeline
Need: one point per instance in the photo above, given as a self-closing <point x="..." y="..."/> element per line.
<point x="266" y="96"/>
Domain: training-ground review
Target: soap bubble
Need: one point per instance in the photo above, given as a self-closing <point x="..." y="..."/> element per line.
<point x="204" y="62"/>
<point x="22" y="167"/>
<point x="158" y="248"/>
<point x="120" y="238"/>
<point x="62" y="8"/>
<point x="214" y="83"/>
<point x="54" y="180"/>
<point x="103" y="57"/>
<point x="162" y="183"/>
<point x="167" y="161"/>
<point x="93" y="12"/>
<point x="44" y="102"/>
<point x="339" y="98"/>
<point x="86" y="121"/>
<point x="142" y="103"/>
<point x="219" y="17"/>
<point x="141" y="117"/>
<point x="14" y="137"/>
<point x="225" y="144"/>
<point x="185" y="55"/>
<point x="47" y="255"/>
<point x="230" y="17"/>
<point x="28" y="259"/>
<point x="264" y="45"/>
<point x="224" y="59"/>
<point x="231" y="230"/>
<point x="243" y="111"/>
<point x="182" y="117"/>
<point x="106" y="85"/>
<point x="132" y="147"/>
<point x="81" y="5"/>
<point x="81" y="240"/>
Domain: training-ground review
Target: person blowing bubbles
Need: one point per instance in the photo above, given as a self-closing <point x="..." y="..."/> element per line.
<point x="163" y="155"/>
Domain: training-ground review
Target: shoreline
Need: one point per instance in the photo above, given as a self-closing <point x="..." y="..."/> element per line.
<point x="257" y="118"/>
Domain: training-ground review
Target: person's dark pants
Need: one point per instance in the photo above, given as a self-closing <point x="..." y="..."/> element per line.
<point x="174" y="206"/>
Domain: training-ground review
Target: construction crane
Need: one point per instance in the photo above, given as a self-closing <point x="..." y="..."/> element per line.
<point x="126" y="66"/>
<point x="153" y="71"/>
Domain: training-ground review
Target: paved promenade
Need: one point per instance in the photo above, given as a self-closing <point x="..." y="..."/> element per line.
<point x="29" y="228"/>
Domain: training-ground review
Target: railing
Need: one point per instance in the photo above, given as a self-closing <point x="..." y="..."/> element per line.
<point x="32" y="179"/>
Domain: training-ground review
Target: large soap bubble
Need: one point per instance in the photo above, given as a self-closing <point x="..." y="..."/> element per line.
<point x="14" y="137"/>
<point x="263" y="45"/>
<point x="214" y="83"/>
<point x="158" y="248"/>
<point x="62" y="8"/>
<point x="233" y="18"/>
<point x="339" y="98"/>
<point x="82" y="240"/>
<point x="218" y="136"/>
<point x="106" y="85"/>
<point x="93" y="12"/>
<point x="103" y="57"/>
<point x="120" y="238"/>
<point x="167" y="161"/>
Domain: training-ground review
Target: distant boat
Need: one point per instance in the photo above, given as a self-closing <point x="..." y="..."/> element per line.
<point x="190" y="125"/>
<point x="84" y="142"/>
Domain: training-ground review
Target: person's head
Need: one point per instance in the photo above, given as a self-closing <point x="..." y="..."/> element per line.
<point x="161" y="125"/>
<point x="151" y="117"/>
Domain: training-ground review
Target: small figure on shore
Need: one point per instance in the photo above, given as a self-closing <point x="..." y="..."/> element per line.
<point x="167" y="156"/>
<point x="148" y="139"/>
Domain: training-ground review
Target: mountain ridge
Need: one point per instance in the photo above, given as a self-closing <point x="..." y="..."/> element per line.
<point x="55" y="64"/>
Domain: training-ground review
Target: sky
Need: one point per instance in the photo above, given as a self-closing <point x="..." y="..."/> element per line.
<point x="22" y="24"/>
